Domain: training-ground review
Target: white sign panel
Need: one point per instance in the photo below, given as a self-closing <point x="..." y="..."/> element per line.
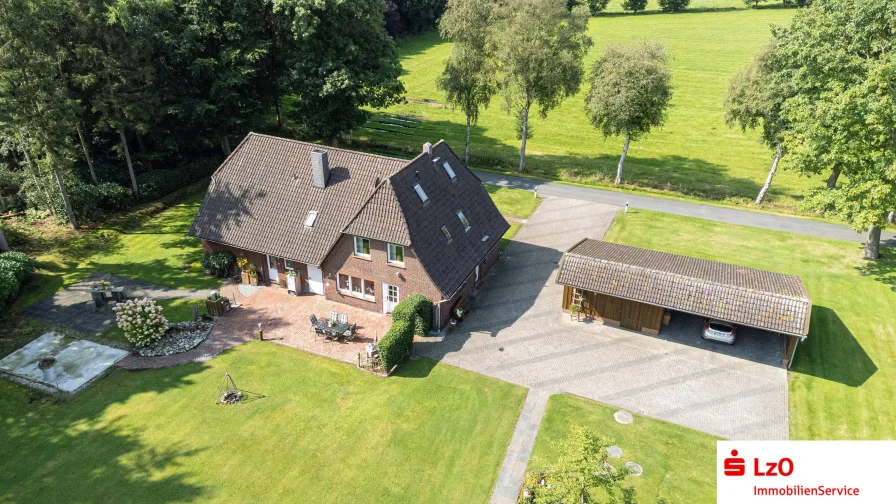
<point x="829" y="472"/>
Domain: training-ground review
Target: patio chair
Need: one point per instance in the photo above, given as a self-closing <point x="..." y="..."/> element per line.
<point x="334" y="317"/>
<point x="349" y="333"/>
<point x="343" y="318"/>
<point x="318" y="331"/>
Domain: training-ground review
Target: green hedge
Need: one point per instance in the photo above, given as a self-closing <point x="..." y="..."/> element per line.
<point x="396" y="344"/>
<point x="96" y="202"/>
<point x="415" y="310"/>
<point x="15" y="268"/>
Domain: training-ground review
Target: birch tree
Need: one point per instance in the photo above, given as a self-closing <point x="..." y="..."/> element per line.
<point x="754" y="100"/>
<point x="539" y="50"/>
<point x="631" y="87"/>
<point x="469" y="76"/>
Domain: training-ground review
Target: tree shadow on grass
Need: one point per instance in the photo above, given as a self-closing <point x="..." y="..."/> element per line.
<point x="676" y="174"/>
<point x="831" y="352"/>
<point x="63" y="451"/>
<point x="884" y="268"/>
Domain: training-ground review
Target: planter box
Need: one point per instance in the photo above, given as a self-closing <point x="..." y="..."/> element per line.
<point x="248" y="279"/>
<point x="291" y="284"/>
<point x="217" y="307"/>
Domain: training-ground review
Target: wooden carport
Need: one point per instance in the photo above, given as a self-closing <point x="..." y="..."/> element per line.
<point x="632" y="287"/>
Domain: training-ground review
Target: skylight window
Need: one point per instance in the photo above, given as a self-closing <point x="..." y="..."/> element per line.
<point x="446" y="233"/>
<point x="485" y="238"/>
<point x="449" y="170"/>
<point x="463" y="220"/>
<point x="312" y="216"/>
<point x="421" y="193"/>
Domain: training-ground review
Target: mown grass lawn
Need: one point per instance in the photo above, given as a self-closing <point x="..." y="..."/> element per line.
<point x="679" y="463"/>
<point x="513" y="202"/>
<point x="695" y="154"/>
<point x="155" y="249"/>
<point x="323" y="432"/>
<point x="843" y="380"/>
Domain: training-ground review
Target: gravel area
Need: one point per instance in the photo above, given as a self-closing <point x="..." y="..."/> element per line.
<point x="181" y="337"/>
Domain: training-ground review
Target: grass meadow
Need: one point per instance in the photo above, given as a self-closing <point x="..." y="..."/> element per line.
<point x="693" y="156"/>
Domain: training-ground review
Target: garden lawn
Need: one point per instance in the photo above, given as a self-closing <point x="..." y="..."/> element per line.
<point x="155" y="250"/>
<point x="693" y="155"/>
<point x="513" y="202"/>
<point x="314" y="431"/>
<point x="679" y="463"/>
<point x="843" y="380"/>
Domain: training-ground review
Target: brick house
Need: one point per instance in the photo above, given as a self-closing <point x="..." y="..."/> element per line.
<point x="360" y="229"/>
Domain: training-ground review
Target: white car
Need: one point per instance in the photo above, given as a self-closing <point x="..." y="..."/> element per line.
<point x="717" y="330"/>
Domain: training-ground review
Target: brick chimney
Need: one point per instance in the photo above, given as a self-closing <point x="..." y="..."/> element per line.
<point x="320" y="168"/>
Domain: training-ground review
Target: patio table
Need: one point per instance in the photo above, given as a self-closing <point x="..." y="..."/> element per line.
<point x="335" y="330"/>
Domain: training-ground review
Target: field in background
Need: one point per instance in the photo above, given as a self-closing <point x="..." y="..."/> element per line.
<point x="694" y="155"/>
<point x="843" y="381"/>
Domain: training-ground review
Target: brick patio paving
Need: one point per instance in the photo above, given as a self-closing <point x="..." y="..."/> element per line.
<point x="284" y="319"/>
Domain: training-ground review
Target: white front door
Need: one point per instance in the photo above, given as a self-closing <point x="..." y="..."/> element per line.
<point x="272" y="270"/>
<point x="390" y="297"/>
<point x="315" y="280"/>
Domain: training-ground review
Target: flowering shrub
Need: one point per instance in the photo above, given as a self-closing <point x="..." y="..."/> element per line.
<point x="141" y="320"/>
<point x="242" y="262"/>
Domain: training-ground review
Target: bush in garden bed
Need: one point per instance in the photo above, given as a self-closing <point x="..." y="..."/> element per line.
<point x="15" y="268"/>
<point x="218" y="262"/>
<point x="141" y="320"/>
<point x="396" y="344"/>
<point x="416" y="310"/>
<point x="96" y="202"/>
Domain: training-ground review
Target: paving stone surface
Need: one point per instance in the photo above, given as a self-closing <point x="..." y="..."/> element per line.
<point x="737" y="392"/>
<point x="68" y="307"/>
<point x="513" y="470"/>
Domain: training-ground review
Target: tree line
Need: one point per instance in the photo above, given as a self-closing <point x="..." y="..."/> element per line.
<point x="103" y="91"/>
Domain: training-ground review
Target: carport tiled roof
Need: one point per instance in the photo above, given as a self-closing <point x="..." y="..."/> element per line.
<point x="746" y="296"/>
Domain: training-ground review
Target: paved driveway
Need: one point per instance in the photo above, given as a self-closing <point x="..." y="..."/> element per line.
<point x="516" y="332"/>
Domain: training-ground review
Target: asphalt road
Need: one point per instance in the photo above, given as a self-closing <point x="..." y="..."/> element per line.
<point x="720" y="214"/>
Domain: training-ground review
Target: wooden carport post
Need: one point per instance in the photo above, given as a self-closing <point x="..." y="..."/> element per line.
<point x="792" y="342"/>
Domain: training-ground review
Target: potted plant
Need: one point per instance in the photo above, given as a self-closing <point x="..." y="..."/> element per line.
<point x="574" y="311"/>
<point x="216" y="304"/>
<point x="253" y="275"/>
<point x="243" y="264"/>
<point x="46" y="369"/>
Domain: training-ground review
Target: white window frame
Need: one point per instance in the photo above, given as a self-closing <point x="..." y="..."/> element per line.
<point x="286" y="264"/>
<point x="463" y="220"/>
<point x="311" y="218"/>
<point x="351" y="292"/>
<point x="449" y="170"/>
<point x="355" y="247"/>
<point x="421" y="193"/>
<point x="390" y="253"/>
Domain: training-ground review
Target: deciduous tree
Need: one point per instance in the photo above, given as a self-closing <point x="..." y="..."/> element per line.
<point x="631" y="87"/>
<point x="842" y="115"/>
<point x="469" y="76"/>
<point x="539" y="50"/>
<point x="634" y="6"/>
<point x="754" y="100"/>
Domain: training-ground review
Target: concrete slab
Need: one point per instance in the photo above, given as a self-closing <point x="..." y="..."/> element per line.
<point x="78" y="362"/>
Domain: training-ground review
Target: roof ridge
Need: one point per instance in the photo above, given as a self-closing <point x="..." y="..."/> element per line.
<point x="311" y="144"/>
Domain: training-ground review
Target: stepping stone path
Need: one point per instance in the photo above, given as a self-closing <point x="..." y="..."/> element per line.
<point x="634" y="469"/>
<point x="623" y="417"/>
<point x="614" y="451"/>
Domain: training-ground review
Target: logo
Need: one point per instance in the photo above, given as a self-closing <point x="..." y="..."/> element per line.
<point x="735" y="466"/>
